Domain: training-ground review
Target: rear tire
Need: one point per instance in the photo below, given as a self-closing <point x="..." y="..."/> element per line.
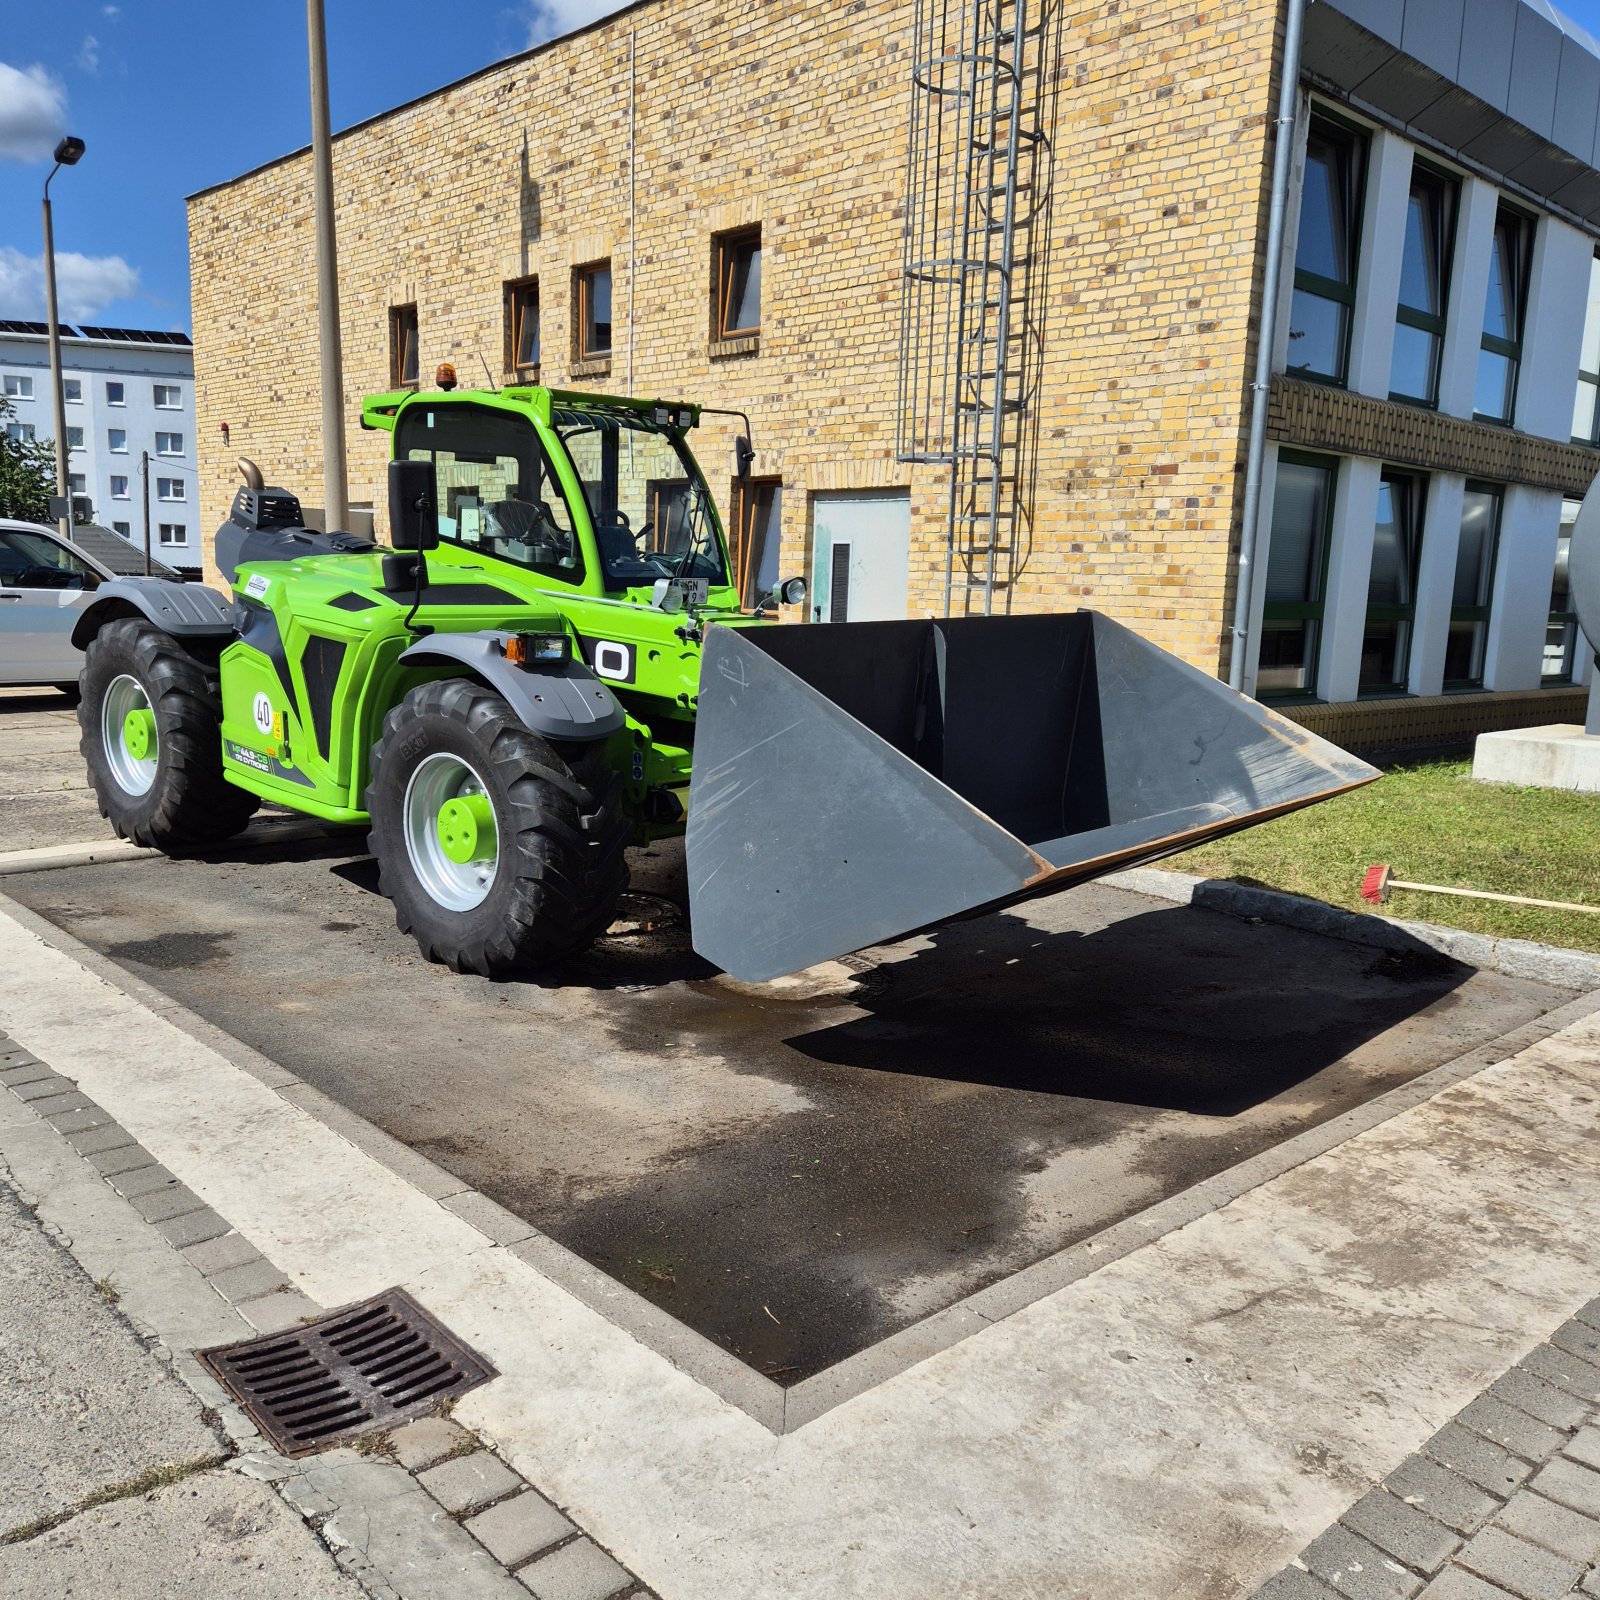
<point x="537" y="862"/>
<point x="164" y="790"/>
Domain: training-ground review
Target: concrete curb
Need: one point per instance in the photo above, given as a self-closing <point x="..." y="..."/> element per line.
<point x="46" y="858"/>
<point x="1516" y="958"/>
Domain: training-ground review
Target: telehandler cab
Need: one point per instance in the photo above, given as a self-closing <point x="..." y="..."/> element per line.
<point x="550" y="663"/>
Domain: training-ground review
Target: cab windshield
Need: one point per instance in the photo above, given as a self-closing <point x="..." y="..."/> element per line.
<point x="647" y="501"/>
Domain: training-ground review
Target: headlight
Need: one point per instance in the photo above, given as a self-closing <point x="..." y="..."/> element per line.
<point x="792" y="591"/>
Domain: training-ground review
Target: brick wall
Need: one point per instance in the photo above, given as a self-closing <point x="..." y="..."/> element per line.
<point x="793" y="116"/>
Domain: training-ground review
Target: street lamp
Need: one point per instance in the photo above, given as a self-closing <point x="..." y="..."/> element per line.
<point x="68" y="154"/>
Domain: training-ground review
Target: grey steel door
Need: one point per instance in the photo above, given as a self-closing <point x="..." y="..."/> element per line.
<point x="43" y="588"/>
<point x="860" y="555"/>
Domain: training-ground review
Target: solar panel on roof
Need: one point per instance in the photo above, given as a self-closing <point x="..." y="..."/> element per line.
<point x="11" y="325"/>
<point x="136" y="336"/>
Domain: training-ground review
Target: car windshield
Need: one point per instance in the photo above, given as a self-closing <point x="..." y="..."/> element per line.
<point x="648" y="503"/>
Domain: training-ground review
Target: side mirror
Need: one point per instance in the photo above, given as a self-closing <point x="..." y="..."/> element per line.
<point x="744" y="456"/>
<point x="413" y="505"/>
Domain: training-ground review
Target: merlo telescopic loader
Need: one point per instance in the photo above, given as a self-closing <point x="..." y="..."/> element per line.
<point x="551" y="664"/>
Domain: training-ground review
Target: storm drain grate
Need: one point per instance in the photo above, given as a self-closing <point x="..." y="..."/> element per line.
<point x="353" y="1371"/>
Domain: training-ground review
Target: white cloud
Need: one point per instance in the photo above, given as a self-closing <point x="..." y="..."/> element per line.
<point x="33" y="113"/>
<point x="85" y="285"/>
<point x="89" y="53"/>
<point x="111" y="11"/>
<point x="549" y="19"/>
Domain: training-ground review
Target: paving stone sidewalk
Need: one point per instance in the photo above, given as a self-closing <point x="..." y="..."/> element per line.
<point x="1504" y="1501"/>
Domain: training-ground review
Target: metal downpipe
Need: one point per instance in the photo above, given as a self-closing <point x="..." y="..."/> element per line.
<point x="1271" y="289"/>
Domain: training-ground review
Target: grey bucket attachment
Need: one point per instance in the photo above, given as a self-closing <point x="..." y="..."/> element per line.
<point x="856" y="782"/>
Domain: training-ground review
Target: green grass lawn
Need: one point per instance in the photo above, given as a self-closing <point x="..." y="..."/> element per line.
<point x="1432" y="824"/>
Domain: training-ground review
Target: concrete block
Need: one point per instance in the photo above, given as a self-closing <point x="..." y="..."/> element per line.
<point x="519" y="1527"/>
<point x="1539" y="1399"/>
<point x="1455" y="1584"/>
<point x="272" y="1313"/>
<point x="1515" y="1430"/>
<point x="1555" y="1528"/>
<point x="42" y="1088"/>
<point x="1356" y="1568"/>
<point x="426" y="1442"/>
<point x="1476" y="1459"/>
<point x="1571" y="1485"/>
<point x="97" y="1138"/>
<point x="193" y="1227"/>
<point x="1522" y="1568"/>
<point x="1403" y="1531"/>
<point x="1584" y="1446"/>
<point x="1565" y="1370"/>
<point x="1443" y="1494"/>
<point x="121" y="1158"/>
<point x="1560" y="756"/>
<point x="161" y="1204"/>
<point x="1578" y="1339"/>
<point x="489" y="1218"/>
<point x="26" y="1070"/>
<point x="1590" y="1314"/>
<point x="68" y="1099"/>
<point x="1591" y="1583"/>
<point x="217" y="1255"/>
<point x="1293" y="1584"/>
<point x="248" y="1281"/>
<point x="469" y="1482"/>
<point x="143" y="1180"/>
<point x="83" y="1118"/>
<point x="577" y="1571"/>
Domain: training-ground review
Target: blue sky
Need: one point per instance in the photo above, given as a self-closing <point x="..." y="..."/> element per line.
<point x="172" y="95"/>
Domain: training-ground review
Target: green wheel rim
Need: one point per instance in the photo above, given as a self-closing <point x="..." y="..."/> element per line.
<point x="466" y="824"/>
<point x="451" y="836"/>
<point x="128" y="735"/>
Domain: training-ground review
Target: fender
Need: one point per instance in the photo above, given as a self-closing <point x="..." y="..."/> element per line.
<point x="565" y="702"/>
<point x="185" y="610"/>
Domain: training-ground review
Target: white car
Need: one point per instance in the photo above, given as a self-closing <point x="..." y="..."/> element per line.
<point x="44" y="585"/>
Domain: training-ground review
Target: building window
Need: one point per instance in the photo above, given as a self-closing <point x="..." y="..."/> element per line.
<point x="736" y="272"/>
<point x="1297" y="566"/>
<point x="1424" y="286"/>
<point x="1325" y="255"/>
<point x="1585" y="409"/>
<point x="403" y="346"/>
<point x="74" y="438"/>
<point x="72" y="388"/>
<point x="1561" y="635"/>
<point x="1503" y="313"/>
<point x="117" y="440"/>
<point x="522" y="330"/>
<point x="170" y="489"/>
<point x="77" y="483"/>
<point x="757" y="516"/>
<point x="119" y="488"/>
<point x="1469" y="600"/>
<point x="22" y="432"/>
<point x="591" y="298"/>
<point x="115" y="395"/>
<point x="1392" y="586"/>
<point x="18" y="386"/>
<point x="169" y="397"/>
<point x="124" y="528"/>
<point x="171" y="533"/>
<point x="169" y="444"/>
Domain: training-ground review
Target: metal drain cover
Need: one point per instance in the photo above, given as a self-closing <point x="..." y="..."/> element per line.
<point x="353" y="1371"/>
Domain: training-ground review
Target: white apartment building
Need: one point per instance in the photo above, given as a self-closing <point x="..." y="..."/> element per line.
<point x="129" y="393"/>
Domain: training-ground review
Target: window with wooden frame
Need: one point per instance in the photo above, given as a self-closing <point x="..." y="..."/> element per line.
<point x="1297" y="575"/>
<point x="522" y="330"/>
<point x="1392" y="583"/>
<point x="736" y="274"/>
<point x="1424" y="286"/>
<point x="591" y="304"/>
<point x="757" y="516"/>
<point x="1466" y="644"/>
<point x="1327" y="251"/>
<point x="403" y="346"/>
<point x="1504" y="312"/>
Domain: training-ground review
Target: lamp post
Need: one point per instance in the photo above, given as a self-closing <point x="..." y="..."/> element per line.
<point x="333" y="462"/>
<point x="68" y="154"/>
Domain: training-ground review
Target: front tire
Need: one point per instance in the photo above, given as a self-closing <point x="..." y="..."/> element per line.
<point x="502" y="851"/>
<point x="151" y="718"/>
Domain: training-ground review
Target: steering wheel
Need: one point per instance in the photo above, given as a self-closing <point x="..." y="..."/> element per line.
<point x="43" y="577"/>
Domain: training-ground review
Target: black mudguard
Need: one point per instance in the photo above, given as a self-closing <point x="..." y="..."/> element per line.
<point x="184" y="610"/>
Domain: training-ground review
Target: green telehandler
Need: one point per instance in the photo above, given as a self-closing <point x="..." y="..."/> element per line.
<point x="550" y="664"/>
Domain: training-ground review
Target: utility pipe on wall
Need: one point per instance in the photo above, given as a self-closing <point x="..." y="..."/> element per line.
<point x="1266" y="337"/>
<point x="333" y="463"/>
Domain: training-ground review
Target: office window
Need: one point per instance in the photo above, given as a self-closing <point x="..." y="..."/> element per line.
<point x="736" y="272"/>
<point x="1424" y="285"/>
<point x="1504" y="310"/>
<point x="22" y="432"/>
<point x="168" y="397"/>
<point x="169" y="444"/>
<point x="115" y="395"/>
<point x="1561" y="634"/>
<point x="1392" y="586"/>
<point x="757" y="518"/>
<point x="591" y="299"/>
<point x="125" y="529"/>
<point x="1585" y="410"/>
<point x="1297" y="566"/>
<point x="1469" y="600"/>
<point x="77" y="483"/>
<point x="72" y="388"/>
<point x="522" y="330"/>
<point x="171" y="533"/>
<point x="1325" y="254"/>
<point x="170" y="489"/>
<point x="18" y="386"/>
<point x="117" y="440"/>
<point x="119" y="488"/>
<point x="74" y="438"/>
<point x="403" y="346"/>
